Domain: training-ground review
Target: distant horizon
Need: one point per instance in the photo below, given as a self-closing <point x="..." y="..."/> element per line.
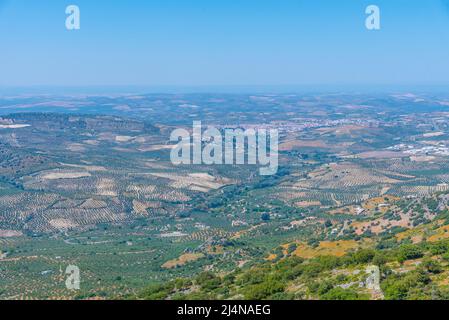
<point x="222" y="89"/>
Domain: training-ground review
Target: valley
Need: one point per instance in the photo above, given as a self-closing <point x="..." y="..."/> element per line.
<point x="88" y="181"/>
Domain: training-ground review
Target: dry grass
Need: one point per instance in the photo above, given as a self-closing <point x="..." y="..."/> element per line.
<point x="325" y="248"/>
<point x="123" y="138"/>
<point x="106" y="187"/>
<point x="418" y="234"/>
<point x="62" y="224"/>
<point x="154" y="148"/>
<point x="296" y="144"/>
<point x="271" y="257"/>
<point x="201" y="182"/>
<point x="85" y="167"/>
<point x="342" y="176"/>
<point x="380" y="155"/>
<point x="305" y="204"/>
<point x="13" y="126"/>
<point x="76" y="147"/>
<point x="379" y="225"/>
<point x="382" y="203"/>
<point x="441" y="234"/>
<point x="140" y="207"/>
<point x="56" y="175"/>
<point x="182" y="260"/>
<point x="10" y="233"/>
<point x="433" y="134"/>
<point x="343" y="130"/>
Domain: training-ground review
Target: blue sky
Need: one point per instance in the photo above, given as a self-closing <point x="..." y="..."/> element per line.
<point x="223" y="42"/>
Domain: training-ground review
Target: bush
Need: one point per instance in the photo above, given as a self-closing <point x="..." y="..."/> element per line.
<point x="264" y="290"/>
<point x="439" y="248"/>
<point x="409" y="252"/>
<point x="208" y="281"/>
<point x="341" y="294"/>
<point x="364" y="256"/>
<point x="400" y="287"/>
<point x="431" y="266"/>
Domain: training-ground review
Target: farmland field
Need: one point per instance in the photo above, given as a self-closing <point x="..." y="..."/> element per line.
<point x="98" y="190"/>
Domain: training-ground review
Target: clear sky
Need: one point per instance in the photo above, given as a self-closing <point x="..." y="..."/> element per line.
<point x="223" y="42"/>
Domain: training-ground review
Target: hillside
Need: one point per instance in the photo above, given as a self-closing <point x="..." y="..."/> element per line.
<point x="407" y="271"/>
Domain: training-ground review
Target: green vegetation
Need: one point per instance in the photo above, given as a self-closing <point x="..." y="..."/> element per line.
<point x="362" y="181"/>
<point x="324" y="277"/>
